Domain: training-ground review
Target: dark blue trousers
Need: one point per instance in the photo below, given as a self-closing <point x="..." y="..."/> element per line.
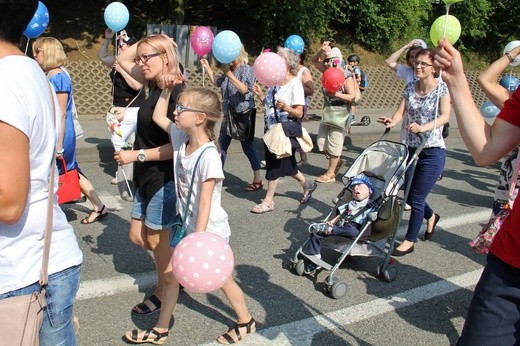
<point x="494" y="312"/>
<point x="427" y="171"/>
<point x="343" y="231"/>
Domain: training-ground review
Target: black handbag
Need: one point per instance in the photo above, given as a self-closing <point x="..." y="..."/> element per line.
<point x="241" y="126"/>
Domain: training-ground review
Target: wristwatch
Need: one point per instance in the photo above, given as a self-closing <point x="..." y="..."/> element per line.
<point x="141" y="156"/>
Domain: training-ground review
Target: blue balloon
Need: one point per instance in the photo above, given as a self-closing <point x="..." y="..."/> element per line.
<point x="295" y="43"/>
<point x="226" y="46"/>
<point x="489" y="110"/>
<point x="116" y="16"/>
<point x="38" y="23"/>
<point x="510" y="83"/>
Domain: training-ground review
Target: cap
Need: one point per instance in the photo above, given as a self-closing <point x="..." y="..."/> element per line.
<point x="362" y="179"/>
<point x="335" y="53"/>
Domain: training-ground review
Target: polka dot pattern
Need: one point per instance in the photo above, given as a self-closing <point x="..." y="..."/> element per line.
<point x="116" y="16"/>
<point x="226" y="46"/>
<point x="202" y="262"/>
<point x="270" y="69"/>
<point x="453" y="29"/>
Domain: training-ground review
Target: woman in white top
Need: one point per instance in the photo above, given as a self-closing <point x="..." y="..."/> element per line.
<point x="29" y="132"/>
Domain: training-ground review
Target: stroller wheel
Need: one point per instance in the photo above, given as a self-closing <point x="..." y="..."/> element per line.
<point x="338" y="289"/>
<point x="299" y="267"/>
<point x="365" y="120"/>
<point x="388" y="273"/>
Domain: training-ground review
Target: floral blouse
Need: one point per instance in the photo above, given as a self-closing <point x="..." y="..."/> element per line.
<point x="421" y="110"/>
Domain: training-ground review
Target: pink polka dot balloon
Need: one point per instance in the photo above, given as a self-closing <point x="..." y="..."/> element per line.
<point x="270" y="69"/>
<point x="202" y="262"/>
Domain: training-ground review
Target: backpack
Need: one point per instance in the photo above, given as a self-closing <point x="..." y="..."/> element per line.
<point x="363" y="84"/>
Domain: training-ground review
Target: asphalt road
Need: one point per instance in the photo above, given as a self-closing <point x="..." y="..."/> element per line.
<point x="425" y="305"/>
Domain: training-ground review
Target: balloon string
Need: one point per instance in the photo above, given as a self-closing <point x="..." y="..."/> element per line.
<point x="203" y="76"/>
<point x="440" y="72"/>
<point x="27" y="45"/>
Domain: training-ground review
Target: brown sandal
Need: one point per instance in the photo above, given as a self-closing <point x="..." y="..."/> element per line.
<point x="255" y="186"/>
<point x="250" y="329"/>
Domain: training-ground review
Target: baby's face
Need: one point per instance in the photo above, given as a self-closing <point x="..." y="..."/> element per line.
<point x="360" y="192"/>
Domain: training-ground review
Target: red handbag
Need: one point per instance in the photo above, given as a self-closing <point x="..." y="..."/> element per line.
<point x="68" y="186"/>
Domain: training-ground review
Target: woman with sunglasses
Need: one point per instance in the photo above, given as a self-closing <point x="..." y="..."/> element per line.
<point x="153" y="62"/>
<point x="127" y="94"/>
<point x="330" y="138"/>
<point x="421" y="113"/>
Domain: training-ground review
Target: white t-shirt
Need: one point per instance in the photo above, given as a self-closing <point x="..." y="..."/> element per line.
<point x="209" y="167"/>
<point x="291" y="93"/>
<point x="27" y="105"/>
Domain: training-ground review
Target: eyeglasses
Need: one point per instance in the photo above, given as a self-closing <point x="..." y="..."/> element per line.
<point x="180" y="108"/>
<point x="421" y="64"/>
<point x="145" y="57"/>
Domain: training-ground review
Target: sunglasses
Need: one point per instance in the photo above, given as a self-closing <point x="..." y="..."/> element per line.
<point x="180" y="108"/>
<point x="145" y="57"/>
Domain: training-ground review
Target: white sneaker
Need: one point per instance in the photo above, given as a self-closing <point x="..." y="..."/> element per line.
<point x="407" y="207"/>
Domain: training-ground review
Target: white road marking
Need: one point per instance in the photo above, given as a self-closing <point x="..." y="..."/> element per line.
<point x="301" y="332"/>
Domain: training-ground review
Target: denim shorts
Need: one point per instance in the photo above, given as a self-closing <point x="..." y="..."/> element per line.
<point x="57" y="328"/>
<point x="158" y="213"/>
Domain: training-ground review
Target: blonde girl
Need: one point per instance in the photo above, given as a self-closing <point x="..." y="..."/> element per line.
<point x="49" y="54"/>
<point x="197" y="111"/>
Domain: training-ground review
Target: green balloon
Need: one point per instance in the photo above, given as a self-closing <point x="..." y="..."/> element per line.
<point x="451" y="2"/>
<point x="452" y="29"/>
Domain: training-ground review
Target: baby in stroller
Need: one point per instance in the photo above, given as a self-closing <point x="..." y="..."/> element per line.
<point x="349" y="220"/>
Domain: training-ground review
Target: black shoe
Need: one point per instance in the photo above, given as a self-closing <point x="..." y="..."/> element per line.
<point x="310" y="268"/>
<point x="399" y="253"/>
<point x="429" y="235"/>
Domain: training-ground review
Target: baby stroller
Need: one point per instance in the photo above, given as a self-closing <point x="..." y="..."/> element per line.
<point x="384" y="163"/>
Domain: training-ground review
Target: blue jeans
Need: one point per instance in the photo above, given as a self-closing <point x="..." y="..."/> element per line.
<point x="247" y="147"/>
<point x="159" y="212"/>
<point x="57" y="328"/>
<point x="427" y="171"/>
<point x="494" y="312"/>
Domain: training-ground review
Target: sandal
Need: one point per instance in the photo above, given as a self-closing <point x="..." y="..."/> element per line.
<point x="307" y="192"/>
<point x="255" y="186"/>
<point x="340" y="164"/>
<point x="324" y="178"/>
<point x="150" y="336"/>
<point x="145" y="309"/>
<point x="99" y="215"/>
<point x="262" y="208"/>
<point x="250" y="329"/>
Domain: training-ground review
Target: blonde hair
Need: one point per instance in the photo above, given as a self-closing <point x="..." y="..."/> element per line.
<point x="243" y="57"/>
<point x="208" y="102"/>
<point x="164" y="44"/>
<point x="52" y="50"/>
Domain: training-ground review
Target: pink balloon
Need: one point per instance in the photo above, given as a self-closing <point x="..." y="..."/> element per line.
<point x="270" y="69"/>
<point x="202" y="262"/>
<point x="201" y="40"/>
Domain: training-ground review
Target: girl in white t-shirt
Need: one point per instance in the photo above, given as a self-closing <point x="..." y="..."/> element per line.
<point x="197" y="112"/>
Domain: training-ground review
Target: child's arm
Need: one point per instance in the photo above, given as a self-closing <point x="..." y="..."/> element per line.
<point x="206" y="193"/>
<point x="161" y="110"/>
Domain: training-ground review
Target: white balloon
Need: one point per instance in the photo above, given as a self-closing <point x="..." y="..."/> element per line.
<point x="508" y="48"/>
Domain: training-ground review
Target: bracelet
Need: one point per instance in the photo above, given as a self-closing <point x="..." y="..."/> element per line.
<point x="59" y="152"/>
<point x="511" y="59"/>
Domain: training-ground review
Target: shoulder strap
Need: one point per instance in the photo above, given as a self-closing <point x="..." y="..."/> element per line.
<point x="50" y="206"/>
<point x="514" y="179"/>
<point x="184" y="217"/>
